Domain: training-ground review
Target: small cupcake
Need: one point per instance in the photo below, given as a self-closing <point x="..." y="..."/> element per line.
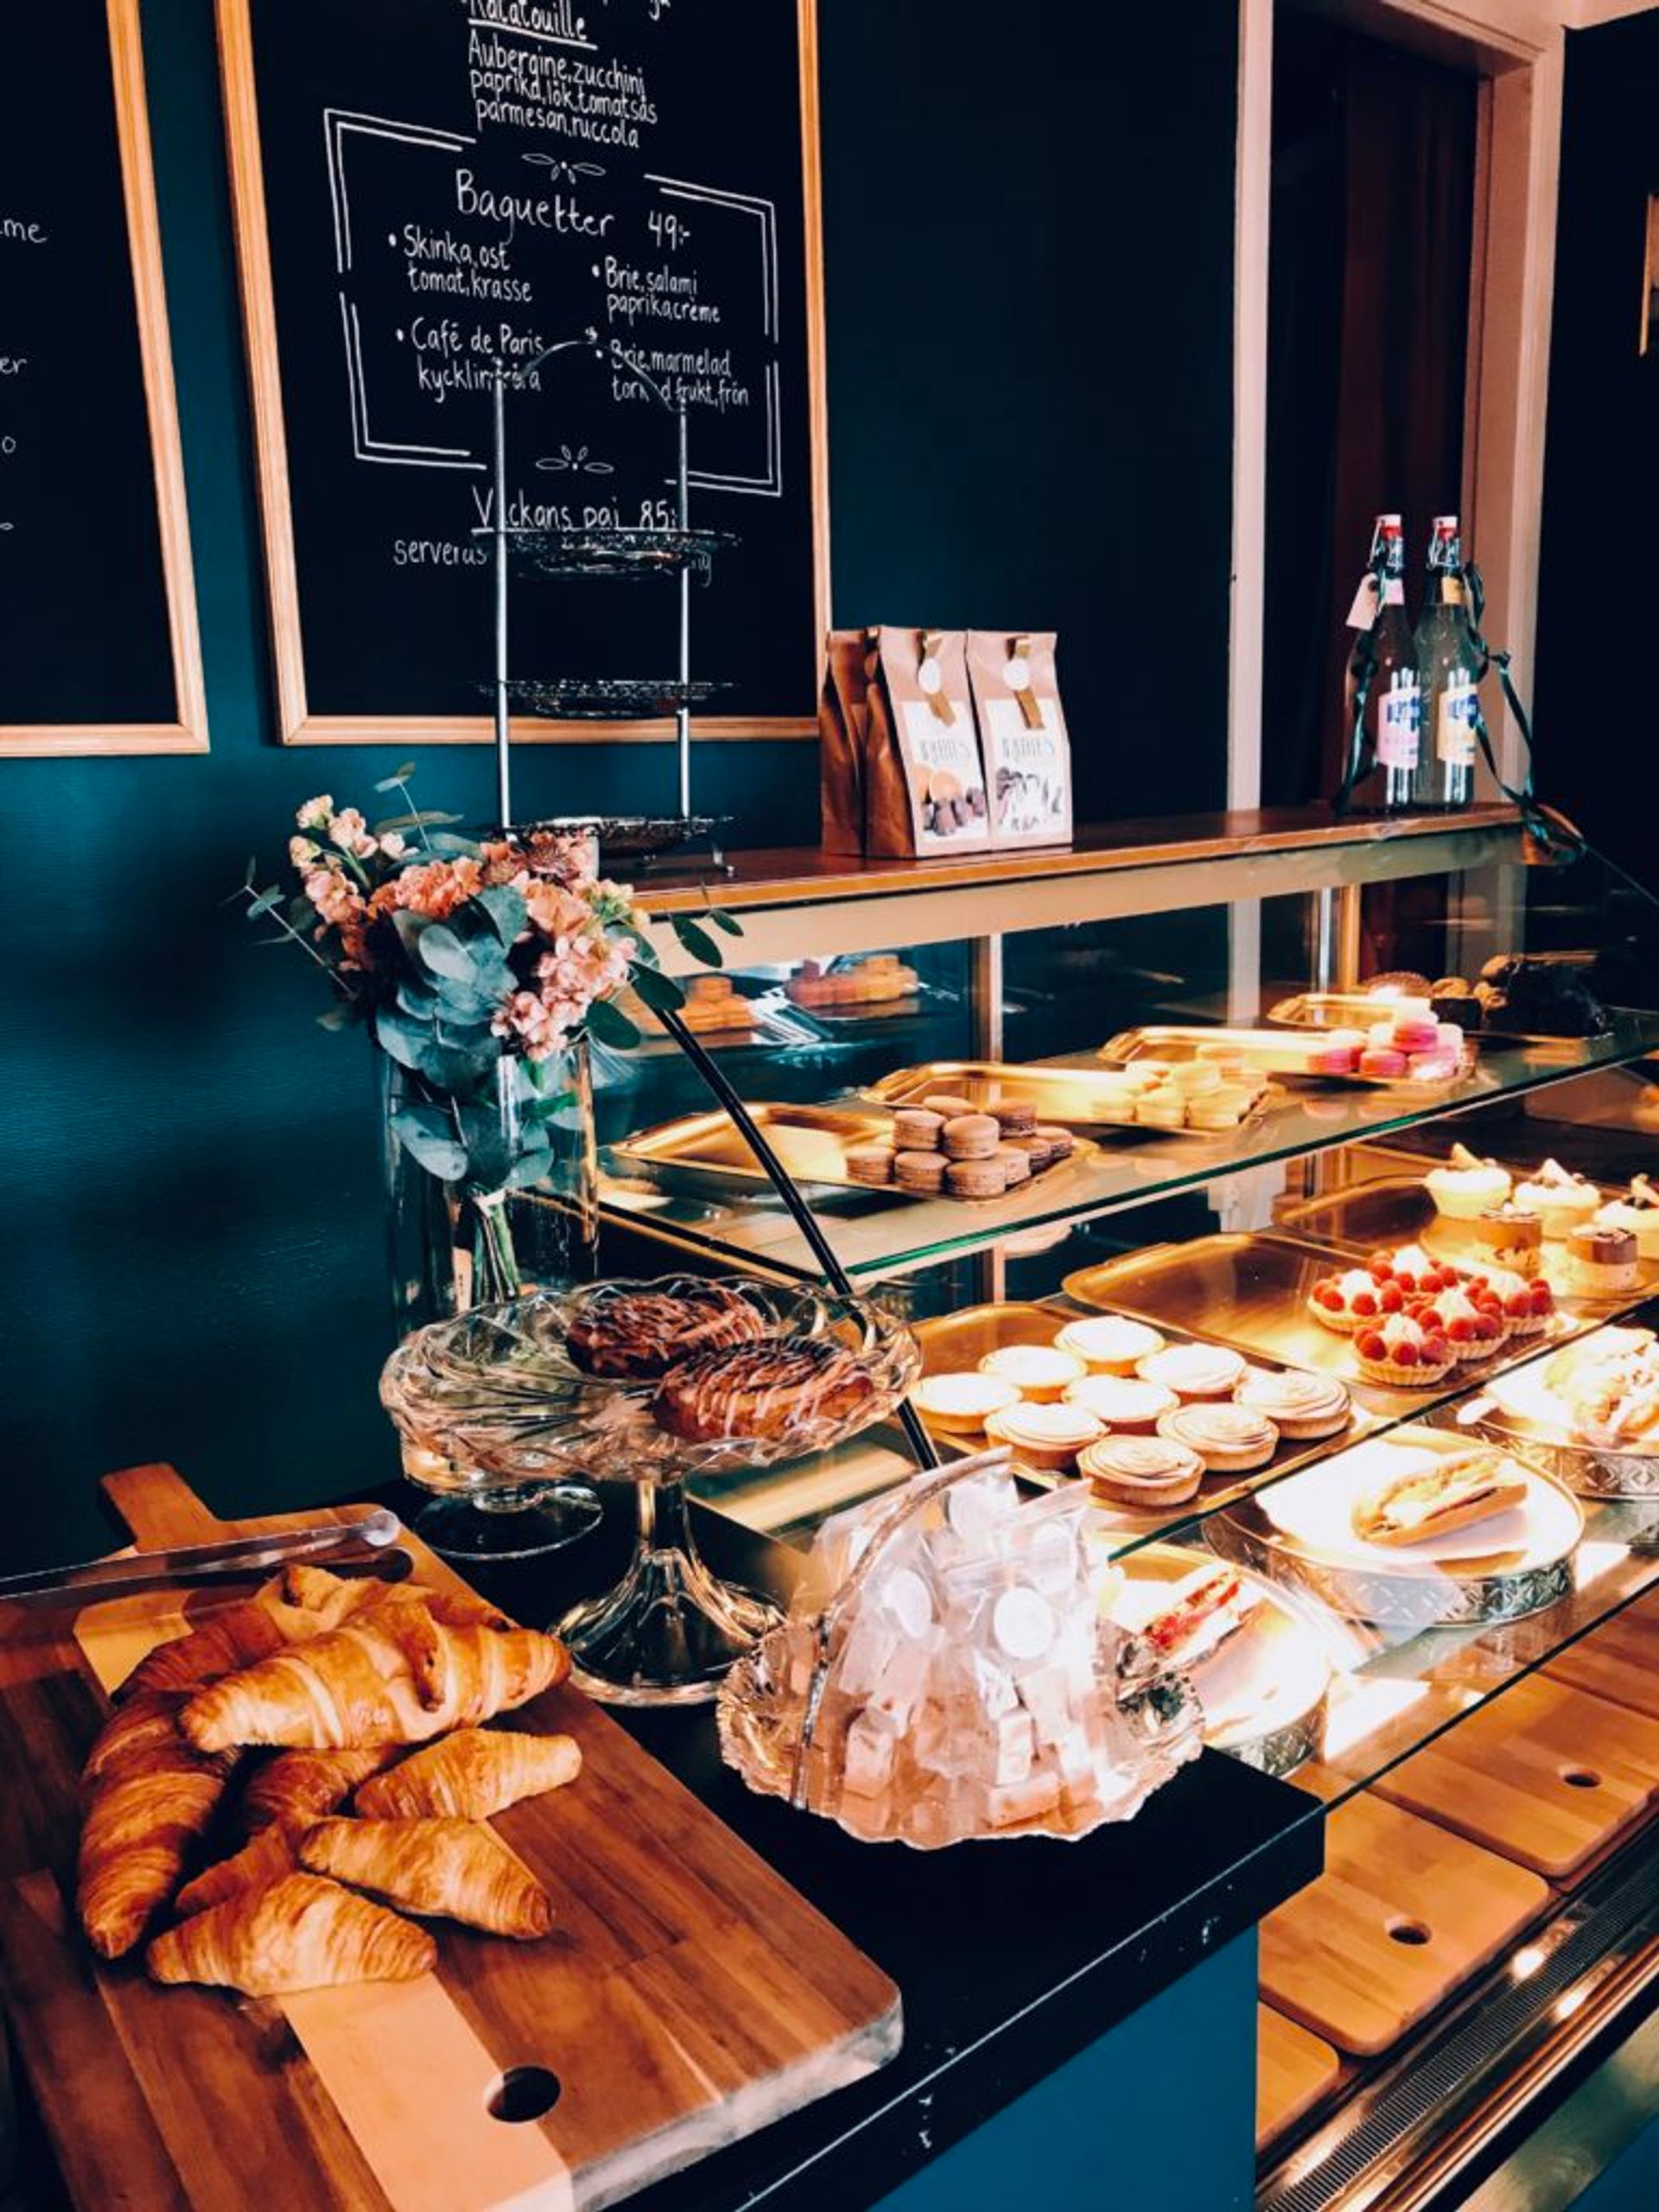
<point x="1193" y="1370"/>
<point x="1046" y="1438"/>
<point x="1141" y="1471"/>
<point x="1600" y="1262"/>
<point x="1109" y="1344"/>
<point x="1467" y="1187"/>
<point x="1404" y="1353"/>
<point x="1040" y="1372"/>
<point x="1562" y="1201"/>
<point x="1639" y="1213"/>
<point x="1229" y="1439"/>
<point x="1124" y="1402"/>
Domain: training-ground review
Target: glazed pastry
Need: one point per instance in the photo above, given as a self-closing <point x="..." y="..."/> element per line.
<point x="1040" y="1372"/>
<point x="299" y="1933"/>
<point x="1639" y="1213"/>
<point x="922" y="1173"/>
<point x="297" y="1788"/>
<point x="458" y="1869"/>
<point x="773" y="1389"/>
<point x="635" y="1334"/>
<point x="1456" y="1492"/>
<point x="1561" y="1200"/>
<point x="255" y="1866"/>
<point x="869" y="1163"/>
<point x="969" y="1136"/>
<point x="1124" y="1402"/>
<point x="915" y="1128"/>
<point x="1345" y="1302"/>
<point x="960" y="1404"/>
<point x="1403" y="1351"/>
<point x="1045" y="1437"/>
<point x="1298" y="1405"/>
<point x="396" y="1675"/>
<point x="1230" y="1440"/>
<point x="1109" y="1344"/>
<point x="1192" y="1371"/>
<point x="976" y="1178"/>
<point x="149" y="1795"/>
<point x="1513" y="1237"/>
<point x="1466" y="1187"/>
<point x="470" y="1776"/>
<point x="1143" y="1472"/>
<point x="1601" y="1262"/>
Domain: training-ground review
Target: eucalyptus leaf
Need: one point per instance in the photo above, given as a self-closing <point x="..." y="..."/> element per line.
<point x="661" y="994"/>
<point x="410" y="928"/>
<point x="506" y="907"/>
<point x="530" y="1167"/>
<point x="423" y="1132"/>
<point x="402" y="1037"/>
<point x="696" y="940"/>
<point x="266" y="903"/>
<point x="441" y="953"/>
<point x="722" y="921"/>
<point x="611" y="1025"/>
<point x="397" y="776"/>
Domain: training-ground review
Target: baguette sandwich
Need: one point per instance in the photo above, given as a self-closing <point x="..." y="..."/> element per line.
<point x="1463" y="1488"/>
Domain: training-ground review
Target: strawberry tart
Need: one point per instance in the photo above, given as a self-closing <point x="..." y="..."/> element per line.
<point x="1470" y="1315"/>
<point x="1348" y="1301"/>
<point x="1409" y="1353"/>
<point x="1527" y="1301"/>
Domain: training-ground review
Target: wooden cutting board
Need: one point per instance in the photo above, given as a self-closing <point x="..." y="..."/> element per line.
<point x="1293" y="2069"/>
<point x="1402" y="1914"/>
<point x="688" y="1997"/>
<point x="1618" y="1661"/>
<point x="1544" y="1773"/>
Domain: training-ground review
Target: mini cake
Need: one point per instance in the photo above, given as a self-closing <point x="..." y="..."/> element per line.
<point x="1142" y="1470"/>
<point x="1528" y="1302"/>
<point x="915" y="1128"/>
<point x="960" y="1404"/>
<point x="921" y="1173"/>
<point x="969" y="1136"/>
<point x="1345" y="1302"/>
<point x="1561" y="1200"/>
<point x="1047" y="1437"/>
<point x="1639" y="1213"/>
<point x="768" y="1390"/>
<point x="1466" y="1187"/>
<point x="1513" y="1237"/>
<point x="1109" y="1344"/>
<point x="1300" y="1405"/>
<point x="1229" y="1439"/>
<point x="1403" y="1351"/>
<point x="1123" y="1401"/>
<point x="1040" y="1372"/>
<point x="1601" y="1262"/>
<point x="1192" y="1371"/>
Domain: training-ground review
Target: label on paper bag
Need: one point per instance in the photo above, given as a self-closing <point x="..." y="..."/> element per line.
<point x="1454" y="730"/>
<point x="1399" y="718"/>
<point x="1032" y="796"/>
<point x="944" y="757"/>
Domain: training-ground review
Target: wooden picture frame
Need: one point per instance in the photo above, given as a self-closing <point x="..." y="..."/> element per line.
<point x="188" y="732"/>
<point x="298" y="724"/>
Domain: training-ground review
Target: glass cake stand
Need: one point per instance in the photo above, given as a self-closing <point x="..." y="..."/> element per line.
<point x="497" y="1391"/>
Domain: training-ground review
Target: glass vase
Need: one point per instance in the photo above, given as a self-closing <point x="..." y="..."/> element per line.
<point x="453" y="1246"/>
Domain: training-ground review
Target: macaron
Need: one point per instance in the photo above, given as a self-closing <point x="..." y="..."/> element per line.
<point x="976" y="1178"/>
<point x="1015" y="1117"/>
<point x="969" y="1136"/>
<point x="1383" y="1063"/>
<point x="1015" y="1166"/>
<point x="869" y="1163"/>
<point x="947" y="1105"/>
<point x="1060" y="1141"/>
<point x="1040" y="1372"/>
<point x="915" y="1128"/>
<point x="921" y="1173"/>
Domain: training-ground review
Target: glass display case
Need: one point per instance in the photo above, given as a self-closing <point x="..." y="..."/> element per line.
<point x="1332" y="1142"/>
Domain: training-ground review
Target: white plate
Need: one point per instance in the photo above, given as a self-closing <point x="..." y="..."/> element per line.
<point x="1314" y="1512"/>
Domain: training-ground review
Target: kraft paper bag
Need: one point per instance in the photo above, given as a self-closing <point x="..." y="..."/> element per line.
<point x="844" y="709"/>
<point x="923" y="780"/>
<point x="1022" y="732"/>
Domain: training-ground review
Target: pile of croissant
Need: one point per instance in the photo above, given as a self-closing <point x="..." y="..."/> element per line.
<point x="259" y="1729"/>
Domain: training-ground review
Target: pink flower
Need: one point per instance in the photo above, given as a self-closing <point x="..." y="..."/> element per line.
<point x="393" y="846"/>
<point x="303" y="855"/>
<point x="527" y="1020"/>
<point x="351" y="833"/>
<point x="314" y="812"/>
<point x="555" y="912"/>
<point x="338" y="904"/>
<point x="434" y="889"/>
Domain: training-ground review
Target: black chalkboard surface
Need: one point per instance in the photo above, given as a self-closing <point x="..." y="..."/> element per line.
<point x="97" y="639"/>
<point x="422" y="184"/>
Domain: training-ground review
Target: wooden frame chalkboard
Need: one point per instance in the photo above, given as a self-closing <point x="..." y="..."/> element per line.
<point x="296" y="93"/>
<point x="101" y="353"/>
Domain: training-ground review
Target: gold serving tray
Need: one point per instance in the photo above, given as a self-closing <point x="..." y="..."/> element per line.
<point x="953" y="1342"/>
<point x="1265" y="1050"/>
<point x="1263" y="1692"/>
<point x="701" y="1154"/>
<point x="1390" y="1589"/>
<point x="1358" y="1009"/>
<point x="1251" y="1291"/>
<point x="1067" y="1097"/>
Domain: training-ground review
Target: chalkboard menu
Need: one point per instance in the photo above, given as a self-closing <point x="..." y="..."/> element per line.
<point x="424" y="186"/>
<point x="98" y="649"/>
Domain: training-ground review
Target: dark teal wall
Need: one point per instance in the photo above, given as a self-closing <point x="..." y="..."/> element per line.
<point x="1028" y="239"/>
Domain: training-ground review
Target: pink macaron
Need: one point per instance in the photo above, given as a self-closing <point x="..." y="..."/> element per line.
<point x="1416" y="1036"/>
<point x="1332" y="1059"/>
<point x="1382" y="1062"/>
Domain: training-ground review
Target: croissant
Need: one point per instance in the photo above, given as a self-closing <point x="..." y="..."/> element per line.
<point x="396" y="1675"/>
<point x="149" y="1795"/>
<point x="299" y="1933"/>
<point x="470" y="1775"/>
<point x="255" y="1866"/>
<point x="458" y="1868"/>
<point x="297" y="1788"/>
<point x="299" y="1603"/>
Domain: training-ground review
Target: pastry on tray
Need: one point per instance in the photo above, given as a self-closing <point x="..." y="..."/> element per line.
<point x="1128" y="1405"/>
<point x="1230" y="1440"/>
<point x="1193" y="1370"/>
<point x="1511" y="1237"/>
<point x="1039" y="1372"/>
<point x="293" y="1788"/>
<point x="635" y="1334"/>
<point x="1046" y="1436"/>
<point x="1455" y="1492"/>
<point x="770" y="1389"/>
<point x="1561" y="1200"/>
<point x="1300" y="1405"/>
<point x="1354" y="1299"/>
<point x="1147" y="1472"/>
<point x="470" y="1776"/>
<point x="1601" y="1263"/>
<point x="302" y="1933"/>
<point x="1610" y="1385"/>
<point x="1404" y="1353"/>
<point x="960" y="1404"/>
<point x="1109" y="1344"/>
<point x="1465" y="1187"/>
<point x="457" y="1870"/>
<point x="1200" y="1614"/>
<point x="1417" y="1272"/>
<point x="1639" y="1213"/>
<point x="1527" y="1302"/>
<point x="1470" y="1316"/>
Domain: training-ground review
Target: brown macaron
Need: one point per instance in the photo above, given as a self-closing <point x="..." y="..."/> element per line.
<point x="969" y="1136"/>
<point x="1061" y="1143"/>
<point x="1015" y="1117"/>
<point x="947" y="1105"/>
<point x="975" y="1179"/>
<point x="921" y="1173"/>
<point x="915" y="1128"/>
<point x="869" y="1163"/>
<point x="1016" y="1164"/>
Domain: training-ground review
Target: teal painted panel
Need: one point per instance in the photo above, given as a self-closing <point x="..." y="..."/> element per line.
<point x="1160" y="2112"/>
